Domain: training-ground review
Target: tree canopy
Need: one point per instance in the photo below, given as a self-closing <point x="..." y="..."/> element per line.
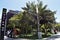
<point x="27" y="19"/>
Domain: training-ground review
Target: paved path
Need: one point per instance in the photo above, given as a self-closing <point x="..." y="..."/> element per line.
<point x="27" y="39"/>
<point x="21" y="39"/>
<point x="54" y="37"/>
<point x="32" y="39"/>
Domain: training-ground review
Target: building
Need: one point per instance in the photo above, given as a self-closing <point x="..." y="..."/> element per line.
<point x="11" y="13"/>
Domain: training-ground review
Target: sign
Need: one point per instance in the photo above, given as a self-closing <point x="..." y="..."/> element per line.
<point x="3" y="23"/>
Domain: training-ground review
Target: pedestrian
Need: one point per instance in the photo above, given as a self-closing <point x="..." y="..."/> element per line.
<point x="9" y="32"/>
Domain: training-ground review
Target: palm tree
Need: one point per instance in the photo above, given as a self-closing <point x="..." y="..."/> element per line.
<point x="28" y="19"/>
<point x="31" y="10"/>
<point x="45" y="15"/>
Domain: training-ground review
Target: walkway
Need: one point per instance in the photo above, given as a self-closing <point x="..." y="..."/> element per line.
<point x="49" y="38"/>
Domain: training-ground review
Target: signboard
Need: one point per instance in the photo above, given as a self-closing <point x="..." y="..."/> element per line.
<point x="3" y="23"/>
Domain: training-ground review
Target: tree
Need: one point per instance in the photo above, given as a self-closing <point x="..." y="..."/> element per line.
<point x="45" y="16"/>
<point x="27" y="20"/>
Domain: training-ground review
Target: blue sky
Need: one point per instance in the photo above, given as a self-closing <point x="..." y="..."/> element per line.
<point x="17" y="4"/>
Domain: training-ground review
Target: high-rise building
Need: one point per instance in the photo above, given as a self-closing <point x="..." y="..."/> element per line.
<point x="10" y="14"/>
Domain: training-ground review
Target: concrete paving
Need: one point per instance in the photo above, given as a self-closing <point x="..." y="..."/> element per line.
<point x="57" y="35"/>
<point x="21" y="39"/>
<point x="54" y="37"/>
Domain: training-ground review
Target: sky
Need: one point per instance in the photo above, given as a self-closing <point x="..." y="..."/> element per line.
<point x="18" y="4"/>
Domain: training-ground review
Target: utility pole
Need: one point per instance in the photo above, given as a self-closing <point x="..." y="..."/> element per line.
<point x="3" y="23"/>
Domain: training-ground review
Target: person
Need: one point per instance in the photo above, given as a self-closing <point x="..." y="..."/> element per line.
<point x="16" y="32"/>
<point x="55" y="31"/>
<point x="9" y="33"/>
